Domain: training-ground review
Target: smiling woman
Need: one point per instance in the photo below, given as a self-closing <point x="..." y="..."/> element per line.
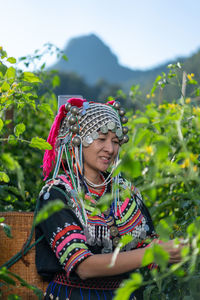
<point x="74" y="257"/>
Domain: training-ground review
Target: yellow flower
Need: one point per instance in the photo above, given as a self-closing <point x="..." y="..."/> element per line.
<point x="176" y="226"/>
<point x="153" y="95"/>
<point x="195" y="168"/>
<point x="149" y="149"/>
<point x="196" y="110"/>
<point x="188" y="100"/>
<point x="193" y="157"/>
<point x="162" y="106"/>
<point x="148" y="96"/>
<point x="172" y="105"/>
<point x="186" y="163"/>
<point x="189" y="76"/>
<point x="1" y="48"/>
<point x="134" y="117"/>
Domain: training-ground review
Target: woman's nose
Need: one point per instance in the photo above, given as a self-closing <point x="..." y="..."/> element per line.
<point x="109" y="147"/>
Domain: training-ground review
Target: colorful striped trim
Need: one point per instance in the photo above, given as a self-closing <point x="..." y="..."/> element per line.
<point x="68" y="239"/>
<point x="74" y="259"/>
<point x="71" y="248"/>
<point x="128" y="214"/>
<point x="63" y="232"/>
<point x="135" y="221"/>
<point x="96" y="220"/>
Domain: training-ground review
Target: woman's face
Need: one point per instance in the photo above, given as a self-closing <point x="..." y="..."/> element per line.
<point x="101" y="153"/>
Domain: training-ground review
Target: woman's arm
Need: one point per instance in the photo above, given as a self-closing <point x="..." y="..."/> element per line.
<point x="98" y="264"/>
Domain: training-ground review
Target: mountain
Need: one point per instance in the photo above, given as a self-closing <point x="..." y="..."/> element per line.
<point x="91" y="59"/>
<point x="94" y="71"/>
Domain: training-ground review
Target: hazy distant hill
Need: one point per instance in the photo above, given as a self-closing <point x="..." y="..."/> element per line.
<point x="93" y="70"/>
<point x="90" y="58"/>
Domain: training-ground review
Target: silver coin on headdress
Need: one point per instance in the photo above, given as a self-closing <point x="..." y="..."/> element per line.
<point x="87" y="140"/>
<point x="119" y="133"/>
<point x="95" y="135"/>
<point x="111" y="125"/>
<point x="104" y="129"/>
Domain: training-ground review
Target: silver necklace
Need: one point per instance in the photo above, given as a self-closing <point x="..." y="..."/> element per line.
<point x="94" y="185"/>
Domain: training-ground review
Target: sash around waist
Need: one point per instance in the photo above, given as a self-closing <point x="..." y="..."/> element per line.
<point x="100" y="283"/>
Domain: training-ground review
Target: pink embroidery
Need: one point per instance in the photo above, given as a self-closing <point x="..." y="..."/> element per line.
<point x="68" y="239"/>
<point x="124" y="205"/>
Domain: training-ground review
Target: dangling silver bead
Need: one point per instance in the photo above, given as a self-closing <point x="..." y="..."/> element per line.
<point x="125" y="139"/>
<point x="74" y="128"/>
<point x="122" y="112"/>
<point x="72" y="120"/>
<point x="124" y="129"/>
<point x="116" y="105"/>
<point x="67" y="106"/>
<point x="124" y="119"/>
<point x="74" y="110"/>
<point x="76" y="141"/>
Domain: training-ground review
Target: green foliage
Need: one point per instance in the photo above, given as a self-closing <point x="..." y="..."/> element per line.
<point x="162" y="159"/>
<point x="26" y="114"/>
<point x="11" y="280"/>
<point x="49" y="210"/>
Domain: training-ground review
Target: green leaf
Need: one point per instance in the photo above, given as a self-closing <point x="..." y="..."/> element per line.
<point x="14" y="297"/>
<point x="40" y="143"/>
<point x="19" y="129"/>
<point x="45" y="107"/>
<point x="48" y="210"/>
<point x="141" y="120"/>
<point x="56" y="81"/>
<point x="164" y="229"/>
<point x="11" y="60"/>
<point x="7" y="229"/>
<point x="5" y="86"/>
<point x="64" y="57"/>
<point x="1" y="124"/>
<point x="2" y="219"/>
<point x="128" y="287"/>
<point x="161" y="257"/>
<point x="10" y="73"/>
<point x="3" y="54"/>
<point x="9" y="162"/>
<point x="6" y="278"/>
<point x="30" y="77"/>
<point x="131" y="167"/>
<point x="4" y="177"/>
<point x="125" y="239"/>
<point x="12" y="139"/>
<point x="141" y="137"/>
<point x="162" y="149"/>
<point x="148" y="257"/>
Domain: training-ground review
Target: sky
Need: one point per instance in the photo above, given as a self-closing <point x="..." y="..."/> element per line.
<point x="142" y="34"/>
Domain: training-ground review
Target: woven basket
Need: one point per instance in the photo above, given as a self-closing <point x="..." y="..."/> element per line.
<point x="21" y="223"/>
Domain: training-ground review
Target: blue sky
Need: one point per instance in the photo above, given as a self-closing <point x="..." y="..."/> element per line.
<point x="141" y="33"/>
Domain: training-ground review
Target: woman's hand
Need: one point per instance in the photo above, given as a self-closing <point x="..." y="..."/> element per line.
<point x="173" y="250"/>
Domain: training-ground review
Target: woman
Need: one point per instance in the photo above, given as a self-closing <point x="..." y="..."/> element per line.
<point x="78" y="245"/>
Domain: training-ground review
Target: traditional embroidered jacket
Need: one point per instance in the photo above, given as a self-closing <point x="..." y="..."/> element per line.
<point x="69" y="238"/>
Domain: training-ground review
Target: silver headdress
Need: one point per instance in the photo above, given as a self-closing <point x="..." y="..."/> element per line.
<point x="85" y="122"/>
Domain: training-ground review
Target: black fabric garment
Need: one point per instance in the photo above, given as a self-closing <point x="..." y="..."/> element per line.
<point x="53" y="258"/>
